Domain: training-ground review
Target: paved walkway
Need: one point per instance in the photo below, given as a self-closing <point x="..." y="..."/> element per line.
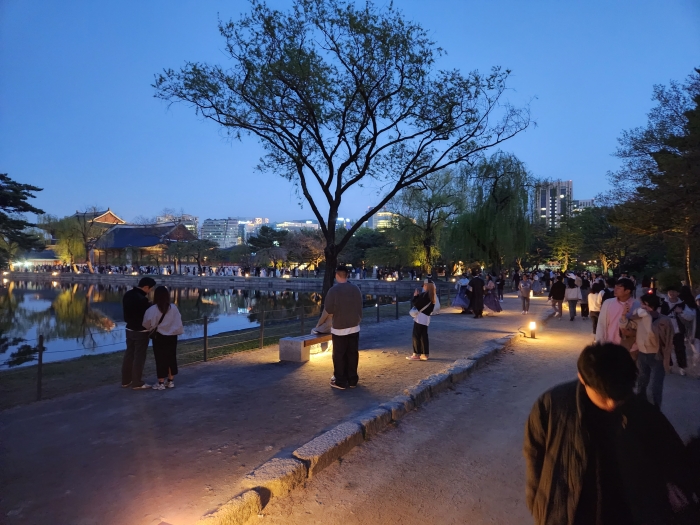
<point x="115" y="456"/>
<point x="458" y="459"/>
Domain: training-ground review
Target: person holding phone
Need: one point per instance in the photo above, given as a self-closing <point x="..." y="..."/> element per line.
<point x="424" y="302"/>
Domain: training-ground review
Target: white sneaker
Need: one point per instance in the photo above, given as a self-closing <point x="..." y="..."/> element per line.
<point x="681" y="371"/>
<point x="170" y="384"/>
<point x="159" y="386"/>
<point x="145" y="386"/>
<point x="523" y="312"/>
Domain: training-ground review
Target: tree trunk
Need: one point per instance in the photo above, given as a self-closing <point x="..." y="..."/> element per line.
<point x="331" y="264"/>
<point x="688" y="278"/>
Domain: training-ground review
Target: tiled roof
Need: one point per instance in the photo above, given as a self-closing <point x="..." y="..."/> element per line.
<point x="133" y="236"/>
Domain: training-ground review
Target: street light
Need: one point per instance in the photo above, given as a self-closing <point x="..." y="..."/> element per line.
<point x="533" y="327"/>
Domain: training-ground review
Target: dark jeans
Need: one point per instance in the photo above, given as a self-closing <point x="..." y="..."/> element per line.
<point x="420" y="339"/>
<point x="679" y="348"/>
<point x="651" y="373"/>
<point x="134" y="357"/>
<point x="572" y="308"/>
<point x="594" y="318"/>
<point x="346" y="356"/>
<point x="164" y="350"/>
<point x="584" y="309"/>
<point x="500" y="293"/>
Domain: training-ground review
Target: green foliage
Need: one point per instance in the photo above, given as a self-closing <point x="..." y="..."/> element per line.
<point x="495" y="228"/>
<point x="14" y="203"/>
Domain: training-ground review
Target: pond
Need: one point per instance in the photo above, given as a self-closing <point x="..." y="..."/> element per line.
<point x="84" y="319"/>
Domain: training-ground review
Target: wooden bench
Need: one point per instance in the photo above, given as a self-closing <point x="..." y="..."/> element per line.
<point x="298" y="349"/>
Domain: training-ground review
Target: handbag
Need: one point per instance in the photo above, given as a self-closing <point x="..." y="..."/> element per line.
<point x="413" y="312"/>
<point x="154" y="332"/>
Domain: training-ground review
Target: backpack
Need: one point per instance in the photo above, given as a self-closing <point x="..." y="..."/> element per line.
<point x="608" y="294"/>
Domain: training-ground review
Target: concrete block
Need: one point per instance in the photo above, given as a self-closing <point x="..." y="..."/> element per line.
<point x="277" y="476"/>
<point x="485" y="354"/>
<point x="374" y="421"/>
<point x="399" y="406"/>
<point x="420" y="393"/>
<point x="293" y="349"/>
<point x="438" y="383"/>
<point x="320" y="452"/>
<point x="461" y="369"/>
<point x="326" y="346"/>
<point x="236" y="511"/>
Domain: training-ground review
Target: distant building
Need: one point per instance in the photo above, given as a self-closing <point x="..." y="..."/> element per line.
<point x="189" y="221"/>
<point x="250" y="227"/>
<point x="224" y="232"/>
<point x="382" y="220"/>
<point x="580" y="205"/>
<point x="554" y="202"/>
<point x="297" y="225"/>
<point x="99" y="217"/>
<point x="139" y="244"/>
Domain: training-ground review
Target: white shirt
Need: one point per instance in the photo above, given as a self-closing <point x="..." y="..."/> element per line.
<point x="171" y="323"/>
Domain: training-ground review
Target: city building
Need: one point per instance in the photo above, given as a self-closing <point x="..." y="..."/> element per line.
<point x="554" y="202"/>
<point x="250" y="227"/>
<point x="224" y="232"/>
<point x="578" y="206"/>
<point x="189" y="221"/>
<point x="297" y="225"/>
<point x="382" y="220"/>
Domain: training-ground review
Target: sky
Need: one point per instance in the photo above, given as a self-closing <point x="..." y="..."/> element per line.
<point x="78" y="117"/>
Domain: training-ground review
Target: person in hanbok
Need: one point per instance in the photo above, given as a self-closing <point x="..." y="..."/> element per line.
<point x="491" y="299"/>
<point x="536" y="285"/>
<point x="462" y="300"/>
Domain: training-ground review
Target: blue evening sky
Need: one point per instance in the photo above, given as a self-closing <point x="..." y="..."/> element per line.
<point x="78" y="117"/>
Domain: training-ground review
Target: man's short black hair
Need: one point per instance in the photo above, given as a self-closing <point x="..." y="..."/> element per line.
<point x="147" y="281"/>
<point x="611" y="281"/>
<point x="560" y="277"/>
<point x="651" y="299"/>
<point x="342" y="268"/>
<point x="627" y="284"/>
<point x="608" y="369"/>
<point x="671" y="289"/>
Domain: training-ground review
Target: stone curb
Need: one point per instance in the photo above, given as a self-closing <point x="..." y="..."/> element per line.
<point x="278" y="476"/>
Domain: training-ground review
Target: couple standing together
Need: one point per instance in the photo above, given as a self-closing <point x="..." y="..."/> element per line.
<point x="160" y="322"/>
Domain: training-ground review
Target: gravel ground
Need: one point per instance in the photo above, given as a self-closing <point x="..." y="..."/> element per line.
<point x="114" y="456"/>
<point x="458" y="459"/>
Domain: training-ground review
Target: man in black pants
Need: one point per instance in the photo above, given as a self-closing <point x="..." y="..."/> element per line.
<point x="135" y="303"/>
<point x="344" y="303"/>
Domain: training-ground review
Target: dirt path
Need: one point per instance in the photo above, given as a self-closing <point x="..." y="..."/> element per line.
<point x="458" y="459"/>
<point x="111" y="456"/>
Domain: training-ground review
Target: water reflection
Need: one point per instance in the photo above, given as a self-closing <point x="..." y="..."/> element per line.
<point x="78" y="319"/>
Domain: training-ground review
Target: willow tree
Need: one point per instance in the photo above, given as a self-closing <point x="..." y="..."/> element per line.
<point x="495" y="227"/>
<point x="343" y="95"/>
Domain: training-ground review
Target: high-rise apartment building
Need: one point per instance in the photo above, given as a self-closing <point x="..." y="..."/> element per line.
<point x="297" y="225"/>
<point x="554" y="202"/>
<point x="224" y="232"/>
<point x="580" y="205"/>
<point x="382" y="220"/>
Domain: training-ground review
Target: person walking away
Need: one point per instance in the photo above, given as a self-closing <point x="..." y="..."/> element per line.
<point x="597" y="454"/>
<point x="490" y="300"/>
<point x="424" y="302"/>
<point x="134" y="305"/>
<point x="536" y="285"/>
<point x="556" y="295"/>
<point x="165" y="324"/>
<point x="654" y="338"/>
<point x="516" y="280"/>
<point x="677" y="312"/>
<point x="344" y="303"/>
<point x="585" y="288"/>
<point x="594" y="304"/>
<point x="572" y="296"/>
<point x="500" y="284"/>
<point x="609" y="291"/>
<point x="477" y="299"/>
<point x="612" y="310"/>
<point x="524" y="289"/>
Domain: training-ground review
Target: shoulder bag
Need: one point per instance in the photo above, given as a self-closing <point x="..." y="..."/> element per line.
<point x="413" y="312"/>
<point x="154" y="332"/>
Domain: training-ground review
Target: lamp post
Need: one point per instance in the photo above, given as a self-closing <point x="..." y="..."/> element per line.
<point x="533" y="328"/>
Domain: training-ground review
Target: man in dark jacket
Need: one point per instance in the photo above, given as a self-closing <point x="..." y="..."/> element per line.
<point x="556" y="294"/>
<point x="596" y="454"/>
<point x="477" y="301"/>
<point x="135" y="303"/>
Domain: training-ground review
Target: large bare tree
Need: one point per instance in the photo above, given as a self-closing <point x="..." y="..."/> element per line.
<point x="342" y="96"/>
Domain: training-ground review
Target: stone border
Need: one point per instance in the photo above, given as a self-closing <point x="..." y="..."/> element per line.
<point x="279" y="476"/>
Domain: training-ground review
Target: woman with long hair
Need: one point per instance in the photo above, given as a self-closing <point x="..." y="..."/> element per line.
<point x="164" y="321"/>
<point x="424" y="302"/>
<point x="573" y="297"/>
